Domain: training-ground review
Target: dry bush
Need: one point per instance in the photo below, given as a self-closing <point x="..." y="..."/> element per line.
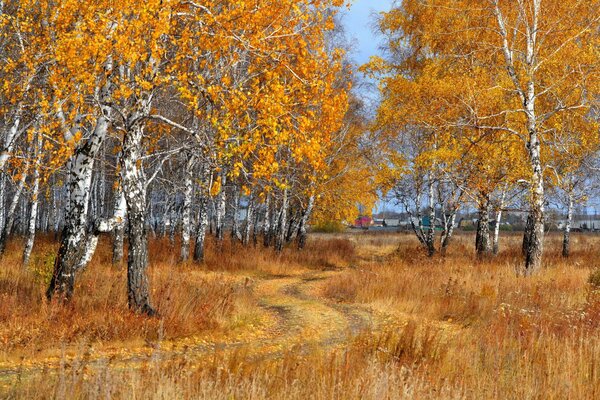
<point x="341" y="288"/>
<point x="188" y="300"/>
<point x="332" y="253"/>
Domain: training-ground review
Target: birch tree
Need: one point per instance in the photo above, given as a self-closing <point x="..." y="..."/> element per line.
<point x="498" y="67"/>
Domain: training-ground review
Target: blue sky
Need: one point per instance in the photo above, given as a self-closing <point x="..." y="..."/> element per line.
<point x="358" y="22"/>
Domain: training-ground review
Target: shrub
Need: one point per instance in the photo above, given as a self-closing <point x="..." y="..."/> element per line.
<point x="43" y="268"/>
<point x="594" y="279"/>
<point x="328" y="227"/>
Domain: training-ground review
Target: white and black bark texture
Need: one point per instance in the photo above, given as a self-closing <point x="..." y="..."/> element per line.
<point x="448" y="231"/>
<point x="10" y="215"/>
<point x="74" y="244"/>
<point x="134" y="187"/>
<point x="282" y="223"/>
<point x="303" y="227"/>
<point x="186" y="219"/>
<point x="267" y="222"/>
<point x="236" y="234"/>
<point x="566" y="246"/>
<point x="33" y="214"/>
<point x="221" y="205"/>
<point x="249" y="223"/>
<point x="482" y="237"/>
<point x="535" y="240"/>
<point x="430" y="235"/>
<point x="203" y="210"/>
<point x="498" y="221"/>
<point x="118" y="232"/>
<point x="293" y="226"/>
<point x="3" y="215"/>
<point x="525" y="87"/>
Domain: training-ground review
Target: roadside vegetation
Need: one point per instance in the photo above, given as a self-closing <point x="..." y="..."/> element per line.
<point x="357" y="315"/>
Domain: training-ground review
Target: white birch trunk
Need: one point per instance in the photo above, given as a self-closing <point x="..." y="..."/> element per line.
<point x="533" y="240"/>
<point x="35" y="191"/>
<point x="303" y="228"/>
<point x="267" y="222"/>
<point x="282" y="223"/>
<point x="248" y="227"/>
<point x="203" y="211"/>
<point x="496" y="238"/>
<point x="118" y="232"/>
<point x="482" y="237"/>
<point x="74" y="242"/>
<point x="221" y="209"/>
<point x="186" y="220"/>
<point x="12" y="208"/>
<point x="235" y="226"/>
<point x="134" y="188"/>
<point x="448" y="232"/>
<point x="566" y="248"/>
<point x="3" y="215"/>
<point x="430" y="236"/>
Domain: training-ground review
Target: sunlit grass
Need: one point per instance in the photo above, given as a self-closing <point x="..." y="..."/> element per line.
<point x="357" y="316"/>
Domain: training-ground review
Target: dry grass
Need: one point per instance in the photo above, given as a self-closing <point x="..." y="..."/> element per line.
<point x="443" y="328"/>
<point x="506" y="336"/>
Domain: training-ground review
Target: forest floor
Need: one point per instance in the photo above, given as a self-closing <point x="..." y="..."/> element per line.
<point x="353" y="316"/>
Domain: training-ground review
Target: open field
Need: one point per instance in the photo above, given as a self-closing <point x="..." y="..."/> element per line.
<point x="353" y="316"/>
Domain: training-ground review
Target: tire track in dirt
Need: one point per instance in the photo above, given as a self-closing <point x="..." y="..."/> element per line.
<point x="301" y="321"/>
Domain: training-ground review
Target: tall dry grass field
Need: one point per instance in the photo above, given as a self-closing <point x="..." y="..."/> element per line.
<point x="354" y="316"/>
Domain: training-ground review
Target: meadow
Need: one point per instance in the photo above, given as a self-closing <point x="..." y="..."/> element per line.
<point x="353" y="316"/>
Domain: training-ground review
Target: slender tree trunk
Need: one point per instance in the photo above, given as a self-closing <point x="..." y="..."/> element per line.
<point x="134" y="188"/>
<point x="22" y="226"/>
<point x="535" y="241"/>
<point x="267" y="222"/>
<point x="203" y="211"/>
<point x="221" y="209"/>
<point x="527" y="234"/>
<point x="292" y="227"/>
<point x="35" y="191"/>
<point x="3" y="215"/>
<point x="74" y="239"/>
<point x="45" y="220"/>
<point x="535" y="236"/>
<point x="12" y="208"/>
<point x="12" y="135"/>
<point x="173" y="222"/>
<point x="274" y="231"/>
<point x="496" y="238"/>
<point x="255" y="226"/>
<point x="119" y="213"/>
<point x="235" y="226"/>
<point x="248" y="227"/>
<point x="186" y="221"/>
<point x="566" y="248"/>
<point x="56" y="212"/>
<point x="152" y="223"/>
<point x="448" y="233"/>
<point x="482" y="238"/>
<point x="281" y="227"/>
<point x="102" y="189"/>
<point x="430" y="237"/>
<point x="303" y="228"/>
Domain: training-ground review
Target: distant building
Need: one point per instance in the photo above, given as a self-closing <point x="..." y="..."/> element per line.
<point x="580" y="223"/>
<point x="363" y="222"/>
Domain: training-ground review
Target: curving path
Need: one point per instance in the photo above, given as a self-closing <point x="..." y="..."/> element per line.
<point x="297" y="317"/>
